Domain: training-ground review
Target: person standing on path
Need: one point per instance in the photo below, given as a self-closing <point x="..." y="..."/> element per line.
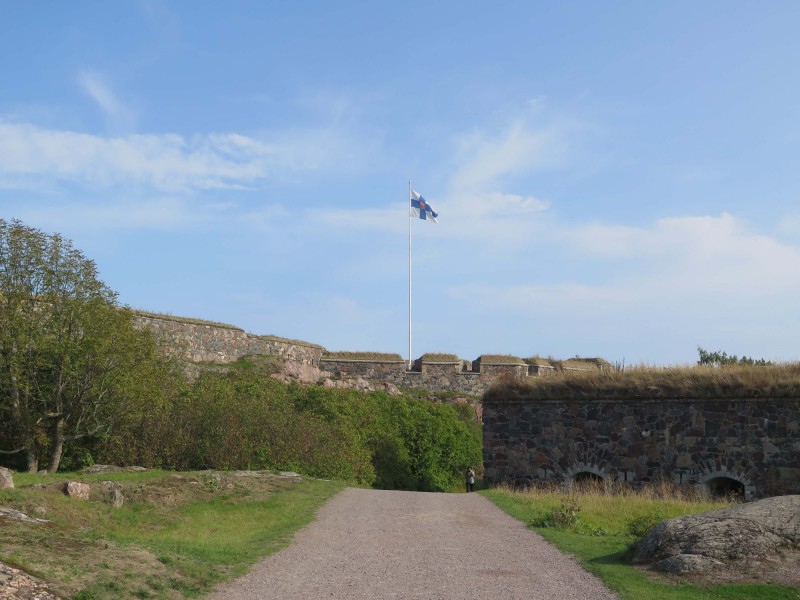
<point x="470" y="480"/>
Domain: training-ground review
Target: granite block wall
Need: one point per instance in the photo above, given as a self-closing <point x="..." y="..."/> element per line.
<point x="755" y="442"/>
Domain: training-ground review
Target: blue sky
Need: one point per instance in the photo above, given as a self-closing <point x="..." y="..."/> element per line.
<point x="615" y="179"/>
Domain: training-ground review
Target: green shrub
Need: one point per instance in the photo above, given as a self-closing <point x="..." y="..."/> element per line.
<point x="245" y="420"/>
<point x="638" y="526"/>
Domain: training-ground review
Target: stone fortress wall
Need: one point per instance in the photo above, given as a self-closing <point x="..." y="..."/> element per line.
<point x="195" y="341"/>
<point x="747" y="446"/>
<point x="205" y="342"/>
<point x="753" y="443"/>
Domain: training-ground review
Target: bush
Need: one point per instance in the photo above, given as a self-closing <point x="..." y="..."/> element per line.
<point x="638" y="526"/>
<point x="244" y="420"/>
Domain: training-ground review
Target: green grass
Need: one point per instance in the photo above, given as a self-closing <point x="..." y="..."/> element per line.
<point x="176" y="536"/>
<point x="225" y="531"/>
<point x="596" y="534"/>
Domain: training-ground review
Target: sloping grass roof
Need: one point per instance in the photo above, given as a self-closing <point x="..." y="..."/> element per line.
<point x="538" y="361"/>
<point x="500" y="359"/>
<point x="439" y="357"/>
<point x="583" y="363"/>
<point x="781" y="381"/>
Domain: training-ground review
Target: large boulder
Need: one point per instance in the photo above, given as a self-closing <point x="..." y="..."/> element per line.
<point x="6" y="479"/>
<point x="759" y="530"/>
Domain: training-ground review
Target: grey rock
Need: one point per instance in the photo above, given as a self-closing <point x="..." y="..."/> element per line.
<point x="97" y="469"/>
<point x="754" y="531"/>
<point x="6" y="479"/>
<point x="15" y="515"/>
<point x="682" y="564"/>
<point x="112" y="493"/>
<point x="76" y="489"/>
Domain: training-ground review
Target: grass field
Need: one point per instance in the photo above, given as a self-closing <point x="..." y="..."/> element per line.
<point x="599" y="528"/>
<point x="176" y="536"/>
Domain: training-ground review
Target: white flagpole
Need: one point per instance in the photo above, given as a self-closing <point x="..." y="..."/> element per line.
<point x="409" y="274"/>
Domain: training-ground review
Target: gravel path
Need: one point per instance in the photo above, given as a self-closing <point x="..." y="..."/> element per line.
<point x="374" y="544"/>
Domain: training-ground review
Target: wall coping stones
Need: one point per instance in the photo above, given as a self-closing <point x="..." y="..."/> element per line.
<point x="362" y="360"/>
<point x="185" y="320"/>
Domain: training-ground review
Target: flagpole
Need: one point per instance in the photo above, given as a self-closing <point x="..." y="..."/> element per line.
<point x="408" y="216"/>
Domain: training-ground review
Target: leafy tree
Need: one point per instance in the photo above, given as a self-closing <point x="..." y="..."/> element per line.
<point x="70" y="359"/>
<point x="721" y="359"/>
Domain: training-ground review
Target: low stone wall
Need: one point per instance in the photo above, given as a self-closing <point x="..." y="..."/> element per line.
<point x="375" y="370"/>
<point x="755" y="442"/>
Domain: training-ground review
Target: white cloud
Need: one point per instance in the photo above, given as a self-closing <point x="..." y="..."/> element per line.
<point x="712" y="254"/>
<point x="165" y="213"/>
<point x="689" y="279"/>
<point x="484" y="157"/>
<point x="166" y="162"/>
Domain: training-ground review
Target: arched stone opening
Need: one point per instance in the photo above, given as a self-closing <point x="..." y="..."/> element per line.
<point x="587" y="478"/>
<point x="725" y="487"/>
<point x="587" y="481"/>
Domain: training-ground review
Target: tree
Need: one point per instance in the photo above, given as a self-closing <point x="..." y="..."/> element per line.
<point x="721" y="359"/>
<point x="71" y="361"/>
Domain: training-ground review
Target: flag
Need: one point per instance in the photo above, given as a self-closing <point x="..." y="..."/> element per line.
<point x="421" y="209"/>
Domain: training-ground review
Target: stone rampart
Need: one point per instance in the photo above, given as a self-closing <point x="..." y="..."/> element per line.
<point x="753" y="443"/>
<point x="195" y="341"/>
<point x="198" y="341"/>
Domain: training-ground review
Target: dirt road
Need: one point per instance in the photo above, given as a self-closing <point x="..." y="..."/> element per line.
<point x="373" y="544"/>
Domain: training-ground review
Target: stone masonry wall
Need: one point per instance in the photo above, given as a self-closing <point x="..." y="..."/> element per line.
<point x="432" y="378"/>
<point x="755" y="442"/>
<point x="209" y="342"/>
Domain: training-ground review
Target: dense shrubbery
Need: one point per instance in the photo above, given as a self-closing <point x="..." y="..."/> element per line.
<point x="248" y="421"/>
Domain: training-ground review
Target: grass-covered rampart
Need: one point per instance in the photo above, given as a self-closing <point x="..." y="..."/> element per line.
<point x="699" y="382"/>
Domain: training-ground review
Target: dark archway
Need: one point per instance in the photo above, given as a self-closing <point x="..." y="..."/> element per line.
<point x="725" y="487"/>
<point x="587" y="478"/>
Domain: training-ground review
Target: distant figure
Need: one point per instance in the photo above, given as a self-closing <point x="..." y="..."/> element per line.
<point x="470" y="480"/>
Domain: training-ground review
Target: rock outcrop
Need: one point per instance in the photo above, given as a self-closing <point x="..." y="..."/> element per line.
<point x="756" y="531"/>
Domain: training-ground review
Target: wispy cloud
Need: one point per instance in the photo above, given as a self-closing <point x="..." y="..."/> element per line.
<point x="119" y="117"/>
<point x="167" y="213"/>
<point x="524" y="143"/>
<point x="166" y="162"/>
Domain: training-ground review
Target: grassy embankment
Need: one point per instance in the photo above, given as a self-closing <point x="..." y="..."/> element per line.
<point x="599" y="529"/>
<point x="176" y="536"/>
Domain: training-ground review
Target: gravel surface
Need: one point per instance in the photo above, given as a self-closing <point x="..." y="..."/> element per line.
<point x="369" y="544"/>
